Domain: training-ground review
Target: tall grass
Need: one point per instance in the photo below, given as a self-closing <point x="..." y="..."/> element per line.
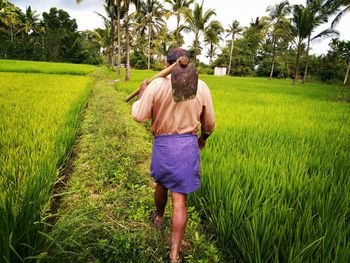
<point x="276" y="172"/>
<point x="38" y="116"/>
<point x="44" y="67"/>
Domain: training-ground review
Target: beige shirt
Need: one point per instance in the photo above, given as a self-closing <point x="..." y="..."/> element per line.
<point x="169" y="117"/>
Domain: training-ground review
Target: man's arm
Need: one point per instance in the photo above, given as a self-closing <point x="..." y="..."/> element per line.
<point x="142" y="108"/>
<point x="207" y="119"/>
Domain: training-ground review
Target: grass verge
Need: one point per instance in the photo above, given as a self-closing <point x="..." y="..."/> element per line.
<point x="103" y="215"/>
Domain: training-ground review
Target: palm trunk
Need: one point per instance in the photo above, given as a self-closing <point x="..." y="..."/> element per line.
<point x="112" y="36"/>
<point x="176" y="33"/>
<point x="347" y="72"/>
<point x="127" y="47"/>
<point x="231" y="53"/>
<point x="307" y="59"/>
<point x="211" y="54"/>
<point x="12" y="34"/>
<point x="149" y="46"/>
<point x="296" y="64"/>
<point x="119" y="36"/>
<point x="196" y="47"/>
<point x="273" y="58"/>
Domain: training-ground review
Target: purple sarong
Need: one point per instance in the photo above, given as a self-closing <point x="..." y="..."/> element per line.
<point x="175" y="162"/>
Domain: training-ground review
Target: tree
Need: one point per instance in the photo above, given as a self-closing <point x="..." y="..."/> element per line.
<point x="106" y="42"/>
<point x="178" y="9"/>
<point x="212" y="37"/>
<point x="197" y="21"/>
<point x="9" y="17"/>
<point x="111" y="11"/>
<point x="165" y="40"/>
<point x="233" y="30"/>
<point x="102" y="38"/>
<point x="298" y="30"/>
<point x="335" y="5"/>
<point x="62" y="38"/>
<point x="149" y="18"/>
<point x="342" y="48"/>
<point x="127" y="45"/>
<point x="119" y="36"/>
<point x="277" y="16"/>
<point x="319" y="14"/>
<point x="30" y="21"/>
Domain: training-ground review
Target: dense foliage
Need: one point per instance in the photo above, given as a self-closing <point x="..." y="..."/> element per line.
<point x="54" y="38"/>
<point x="274" y="45"/>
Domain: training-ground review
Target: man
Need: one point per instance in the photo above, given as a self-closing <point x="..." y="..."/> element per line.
<point x="175" y="152"/>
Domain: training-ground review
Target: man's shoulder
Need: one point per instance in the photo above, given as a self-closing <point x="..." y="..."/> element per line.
<point x="202" y="85"/>
<point x="157" y="83"/>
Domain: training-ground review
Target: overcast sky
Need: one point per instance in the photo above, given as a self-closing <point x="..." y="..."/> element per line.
<point x="226" y="10"/>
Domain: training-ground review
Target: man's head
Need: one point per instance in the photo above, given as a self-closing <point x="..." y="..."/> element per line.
<point x="175" y="53"/>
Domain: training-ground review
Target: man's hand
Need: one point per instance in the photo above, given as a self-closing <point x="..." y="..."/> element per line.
<point x="142" y="88"/>
<point x="201" y="142"/>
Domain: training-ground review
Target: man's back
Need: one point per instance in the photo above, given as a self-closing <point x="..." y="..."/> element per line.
<point x="169" y="117"/>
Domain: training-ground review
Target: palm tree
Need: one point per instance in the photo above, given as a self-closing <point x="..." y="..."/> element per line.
<point x="149" y="18"/>
<point x="30" y="21"/>
<point x="109" y="24"/>
<point x="277" y="15"/>
<point x="197" y="21"/>
<point x="334" y="6"/>
<point x="118" y="37"/>
<point x="319" y="13"/>
<point x="298" y="30"/>
<point x="102" y="38"/>
<point x="126" y="24"/>
<point x="127" y="45"/>
<point x="165" y="40"/>
<point x="178" y="9"/>
<point x="342" y="49"/>
<point x="5" y="9"/>
<point x="10" y="17"/>
<point x="212" y="37"/>
<point x="111" y="10"/>
<point x="234" y="30"/>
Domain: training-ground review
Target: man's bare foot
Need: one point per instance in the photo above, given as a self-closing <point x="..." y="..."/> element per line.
<point x="157" y="220"/>
<point x="175" y="258"/>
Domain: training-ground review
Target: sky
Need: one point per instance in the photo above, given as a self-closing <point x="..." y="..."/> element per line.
<point x="226" y="11"/>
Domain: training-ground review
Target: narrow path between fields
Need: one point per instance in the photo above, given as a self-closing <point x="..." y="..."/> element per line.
<point x="103" y="215"/>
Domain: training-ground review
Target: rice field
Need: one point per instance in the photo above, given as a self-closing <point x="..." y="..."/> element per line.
<point x="39" y="114"/>
<point x="44" y="67"/>
<point x="276" y="172"/>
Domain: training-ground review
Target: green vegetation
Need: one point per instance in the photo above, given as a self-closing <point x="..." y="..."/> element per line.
<point x="275" y="45"/>
<point x="39" y="115"/>
<point x="275" y="174"/>
<point x="44" y="67"/>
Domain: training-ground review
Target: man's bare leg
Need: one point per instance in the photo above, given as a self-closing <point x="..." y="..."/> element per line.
<point x="160" y="199"/>
<point x="179" y="220"/>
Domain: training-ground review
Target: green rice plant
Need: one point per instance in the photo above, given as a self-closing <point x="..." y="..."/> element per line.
<point x="39" y="114"/>
<point x="276" y="171"/>
<point x="44" y="67"/>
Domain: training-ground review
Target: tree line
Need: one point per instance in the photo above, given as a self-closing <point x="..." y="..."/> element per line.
<point x="53" y="38"/>
<point x="274" y="45"/>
